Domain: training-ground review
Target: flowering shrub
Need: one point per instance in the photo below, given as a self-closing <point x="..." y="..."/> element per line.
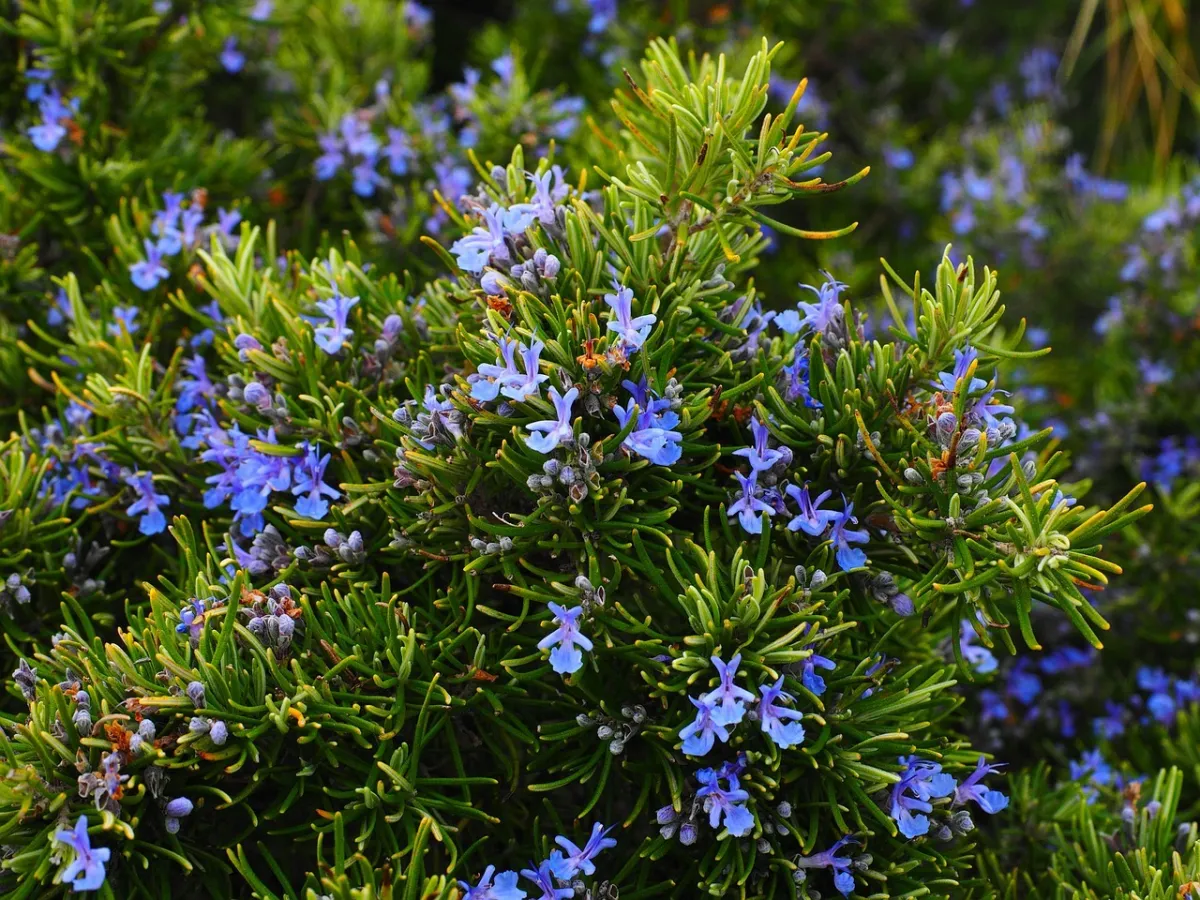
<point x="562" y="528"/>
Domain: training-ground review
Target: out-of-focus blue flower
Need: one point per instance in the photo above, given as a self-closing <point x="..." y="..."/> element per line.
<point x="978" y="657"/>
<point x="147" y="273"/>
<point x="232" y="59"/>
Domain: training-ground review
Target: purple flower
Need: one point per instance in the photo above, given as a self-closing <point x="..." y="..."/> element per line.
<point x="698" y="736"/>
<point x="989" y="801"/>
<point x="547" y="434"/>
<point x="725" y="803"/>
<point x="747" y="506"/>
<point x="842" y="537"/>
<point x="727" y="698"/>
<point x="333" y="336"/>
<point x="544" y="879"/>
<point x="632" y="332"/>
<point x="504" y="887"/>
<point x="491" y="377"/>
<point x="232" y="59"/>
<point x="310" y="486"/>
<point x="828" y="308"/>
<point x="760" y="456"/>
<point x="774" y="718"/>
<point x="191" y="619"/>
<point x="827" y="859"/>
<point x="812" y="520"/>
<point x="576" y="861"/>
<point x="86" y="871"/>
<point x="147" y="273"/>
<point x="796" y="384"/>
<point x="549" y="189"/>
<point x="476" y="250"/>
<point x="147" y="503"/>
<point x="566" y="640"/>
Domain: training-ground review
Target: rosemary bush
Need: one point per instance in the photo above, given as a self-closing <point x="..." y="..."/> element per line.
<point x="446" y="491"/>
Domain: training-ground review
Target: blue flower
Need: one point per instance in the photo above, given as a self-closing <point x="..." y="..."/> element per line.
<point x="147" y="503"/>
<point x="699" y="735"/>
<point x="566" y="640"/>
<point x="476" y="250"/>
<point x="547" y="434"/>
<point x="828" y="308"/>
<point x="977" y="657"/>
<point x="232" y="59"/>
<point x="576" y="861"/>
<point x="522" y="387"/>
<point x="331" y="159"/>
<point x="773" y="718"/>
<point x="632" y="332"/>
<point x="989" y="801"/>
<point x="310" y="486"/>
<point x="485" y="386"/>
<point x="920" y="782"/>
<point x="747" y="506"/>
<point x="808" y="672"/>
<point x="333" y="336"/>
<point x="651" y="437"/>
<point x="964" y="359"/>
<point x="191" y="619"/>
<point x="544" y="879"/>
<point x="727" y="698"/>
<point x="796" y="384"/>
<point x="722" y="803"/>
<point x="827" y="859"/>
<point x="86" y="871"/>
<point x="760" y="456"/>
<point x="842" y="537"/>
<point x="147" y="273"/>
<point x="812" y="519"/>
<point x="399" y="151"/>
<point x="504" y="887"/>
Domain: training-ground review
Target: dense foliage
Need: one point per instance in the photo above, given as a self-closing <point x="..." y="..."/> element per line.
<point x="500" y="465"/>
